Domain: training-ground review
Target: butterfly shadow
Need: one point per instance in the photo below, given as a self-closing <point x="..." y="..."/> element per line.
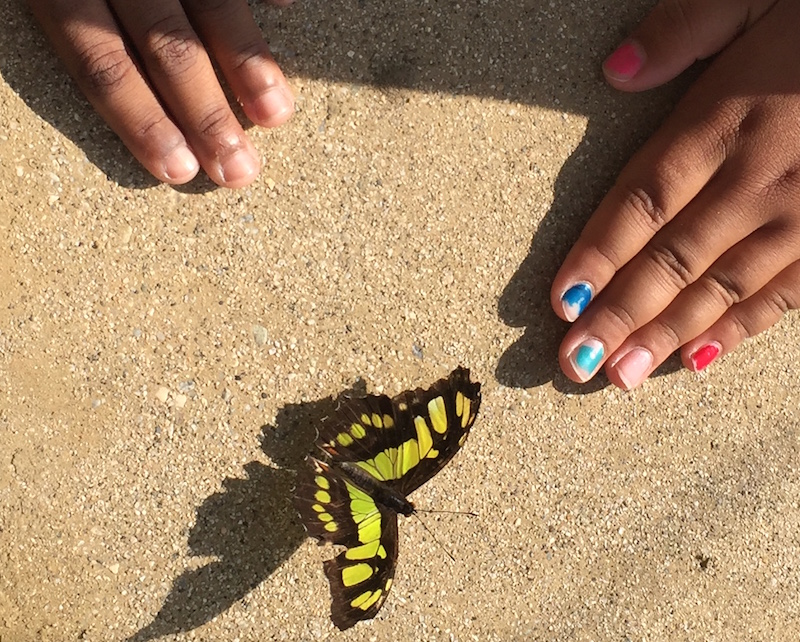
<point x="250" y="527"/>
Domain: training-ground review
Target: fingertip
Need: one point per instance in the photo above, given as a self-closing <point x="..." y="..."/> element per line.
<point x="239" y="169"/>
<point x="698" y="357"/>
<point x="583" y="361"/>
<point x="630" y="370"/>
<point x="574" y="300"/>
<point x="180" y="166"/>
<point x="271" y="108"/>
<point x="624" y="63"/>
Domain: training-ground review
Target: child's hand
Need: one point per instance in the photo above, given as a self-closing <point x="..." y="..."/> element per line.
<point x="697" y="246"/>
<point x="146" y="68"/>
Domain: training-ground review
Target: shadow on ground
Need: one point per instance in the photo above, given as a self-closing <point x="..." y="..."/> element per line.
<point x="250" y="527"/>
<point x="534" y="52"/>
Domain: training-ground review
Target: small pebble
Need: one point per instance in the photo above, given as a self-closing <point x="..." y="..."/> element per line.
<point x="260" y="335"/>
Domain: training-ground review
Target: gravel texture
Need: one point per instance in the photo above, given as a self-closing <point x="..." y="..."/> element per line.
<point x="165" y="353"/>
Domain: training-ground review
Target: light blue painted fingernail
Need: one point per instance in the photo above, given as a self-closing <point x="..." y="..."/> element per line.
<point x="586" y="358"/>
<point x="575" y="300"/>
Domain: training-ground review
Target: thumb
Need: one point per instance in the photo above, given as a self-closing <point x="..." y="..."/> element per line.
<point x="676" y="34"/>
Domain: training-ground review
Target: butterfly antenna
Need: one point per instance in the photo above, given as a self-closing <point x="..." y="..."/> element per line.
<point x="448" y="512"/>
<point x="449" y="554"/>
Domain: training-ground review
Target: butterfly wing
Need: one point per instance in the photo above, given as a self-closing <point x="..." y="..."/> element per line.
<point x="335" y="510"/>
<point x="406" y="440"/>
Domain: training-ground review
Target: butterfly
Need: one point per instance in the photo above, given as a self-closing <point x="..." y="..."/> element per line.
<point x="371" y="454"/>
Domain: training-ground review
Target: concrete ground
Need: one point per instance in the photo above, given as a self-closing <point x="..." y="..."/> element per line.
<point x="165" y="353"/>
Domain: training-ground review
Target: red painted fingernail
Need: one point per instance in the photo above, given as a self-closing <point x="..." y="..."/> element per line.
<point x="705" y="355"/>
<point x="625" y="62"/>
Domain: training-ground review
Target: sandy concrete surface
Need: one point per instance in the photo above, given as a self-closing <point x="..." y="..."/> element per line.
<point x="164" y="354"/>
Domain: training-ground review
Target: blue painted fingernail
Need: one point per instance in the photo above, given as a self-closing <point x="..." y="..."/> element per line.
<point x="586" y="358"/>
<point x="575" y="300"/>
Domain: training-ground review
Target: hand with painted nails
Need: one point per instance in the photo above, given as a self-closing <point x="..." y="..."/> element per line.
<point x="146" y="67"/>
<point x="697" y="245"/>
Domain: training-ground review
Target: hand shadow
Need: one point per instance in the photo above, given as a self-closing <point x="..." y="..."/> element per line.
<point x="582" y="181"/>
<point x="250" y="527"/>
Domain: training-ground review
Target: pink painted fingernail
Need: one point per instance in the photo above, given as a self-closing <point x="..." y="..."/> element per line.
<point x="625" y="62"/>
<point x="704" y="355"/>
<point x="634" y="367"/>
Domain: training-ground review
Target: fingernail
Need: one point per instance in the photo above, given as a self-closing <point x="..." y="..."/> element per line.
<point x="625" y="62"/>
<point x="586" y="358"/>
<point x="241" y="167"/>
<point x="575" y="300"/>
<point x="276" y="104"/>
<point x="704" y="355"/>
<point x="634" y="367"/>
<point x="181" y="164"/>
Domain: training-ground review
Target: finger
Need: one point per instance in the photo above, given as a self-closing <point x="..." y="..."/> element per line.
<point x="229" y="30"/>
<point x="739" y="274"/>
<point x="179" y="68"/>
<point x="674" y="35"/>
<point x="746" y="319"/>
<point x="88" y="40"/>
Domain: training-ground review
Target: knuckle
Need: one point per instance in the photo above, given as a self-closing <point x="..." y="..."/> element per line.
<point x="103" y="67"/>
<point x="209" y="6"/>
<point x="679" y="13"/>
<point x="621" y="319"/>
<point x="742" y="328"/>
<point x="172" y="46"/>
<point x="781" y="186"/>
<point x="781" y="302"/>
<point x="669" y="336"/>
<point x="725" y="289"/>
<point x="216" y="122"/>
<point x="640" y="204"/>
<point x="728" y="123"/>
<point x="149" y="128"/>
<point x="671" y="264"/>
<point x="250" y="53"/>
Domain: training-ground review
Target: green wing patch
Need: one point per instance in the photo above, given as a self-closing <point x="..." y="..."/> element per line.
<point x="372" y="453"/>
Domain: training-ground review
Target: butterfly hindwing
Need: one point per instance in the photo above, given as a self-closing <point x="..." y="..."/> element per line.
<point x="375" y="450"/>
<point x="361" y="576"/>
<point x="337" y="511"/>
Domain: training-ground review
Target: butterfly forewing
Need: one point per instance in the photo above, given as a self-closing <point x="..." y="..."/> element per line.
<point x="406" y="440"/>
<point x="439" y="420"/>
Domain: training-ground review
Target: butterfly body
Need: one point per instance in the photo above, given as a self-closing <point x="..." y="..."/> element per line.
<point x="383" y="494"/>
<point x="371" y="454"/>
